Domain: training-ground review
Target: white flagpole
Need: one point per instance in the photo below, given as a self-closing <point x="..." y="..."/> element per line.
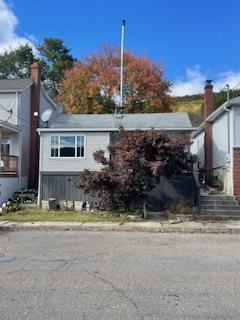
<point x="121" y="71"/>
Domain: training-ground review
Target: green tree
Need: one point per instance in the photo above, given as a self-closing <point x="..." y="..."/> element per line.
<point x="16" y="63"/>
<point x="53" y="56"/>
<point x="55" y="60"/>
<point x="221" y="97"/>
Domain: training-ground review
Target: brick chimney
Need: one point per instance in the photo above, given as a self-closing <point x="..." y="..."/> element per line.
<point x="208" y="109"/>
<point x="34" y="124"/>
<point x="208" y="98"/>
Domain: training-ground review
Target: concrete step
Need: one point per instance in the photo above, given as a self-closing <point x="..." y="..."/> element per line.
<point x="221" y="217"/>
<point x="219" y="202"/>
<point x="217" y="197"/>
<point x="221" y="212"/>
<point x="220" y="207"/>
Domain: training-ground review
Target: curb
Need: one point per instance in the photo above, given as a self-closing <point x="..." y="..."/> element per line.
<point x="96" y="227"/>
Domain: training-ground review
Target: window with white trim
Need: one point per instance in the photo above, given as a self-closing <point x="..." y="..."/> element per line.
<point x="68" y="146"/>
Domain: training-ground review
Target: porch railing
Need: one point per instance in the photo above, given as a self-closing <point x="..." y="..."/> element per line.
<point x="10" y="165"/>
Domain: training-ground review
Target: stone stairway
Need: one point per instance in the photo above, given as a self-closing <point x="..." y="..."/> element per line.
<point x="222" y="206"/>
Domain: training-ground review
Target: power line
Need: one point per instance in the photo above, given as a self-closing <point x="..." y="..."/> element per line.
<point x="235" y="86"/>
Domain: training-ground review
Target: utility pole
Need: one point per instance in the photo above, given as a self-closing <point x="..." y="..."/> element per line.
<point x="121" y="70"/>
<point x="227" y="88"/>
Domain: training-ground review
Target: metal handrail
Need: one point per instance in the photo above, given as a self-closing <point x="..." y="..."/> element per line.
<point x="197" y="196"/>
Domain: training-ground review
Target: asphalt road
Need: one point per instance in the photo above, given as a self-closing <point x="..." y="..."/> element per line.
<point x="118" y="275"/>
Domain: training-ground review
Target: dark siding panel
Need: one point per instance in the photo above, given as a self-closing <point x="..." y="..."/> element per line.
<point x="182" y="188"/>
<point x="61" y="187"/>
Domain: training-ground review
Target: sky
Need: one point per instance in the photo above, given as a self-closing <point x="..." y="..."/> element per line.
<point x="194" y="40"/>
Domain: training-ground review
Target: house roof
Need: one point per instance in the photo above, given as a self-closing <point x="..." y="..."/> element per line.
<point x="9" y="126"/>
<point x="14" y="84"/>
<point x="218" y="112"/>
<point x="111" y="122"/>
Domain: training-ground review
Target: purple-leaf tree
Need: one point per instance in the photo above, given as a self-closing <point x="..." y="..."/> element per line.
<point x="137" y="161"/>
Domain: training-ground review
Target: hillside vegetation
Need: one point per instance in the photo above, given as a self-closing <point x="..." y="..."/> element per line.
<point x="194" y="104"/>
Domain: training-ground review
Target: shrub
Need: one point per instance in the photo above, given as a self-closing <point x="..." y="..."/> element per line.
<point x="137" y="161"/>
<point x="217" y="183"/>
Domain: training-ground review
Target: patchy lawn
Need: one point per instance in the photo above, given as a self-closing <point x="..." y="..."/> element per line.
<point x="29" y="215"/>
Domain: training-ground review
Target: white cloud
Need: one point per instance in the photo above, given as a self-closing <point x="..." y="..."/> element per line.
<point x="8" y="23"/>
<point x="195" y="79"/>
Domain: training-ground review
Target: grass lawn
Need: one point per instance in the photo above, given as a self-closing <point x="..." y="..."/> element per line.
<point x="43" y="215"/>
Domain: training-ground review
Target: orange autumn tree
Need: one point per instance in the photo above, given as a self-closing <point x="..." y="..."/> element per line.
<point x="92" y="86"/>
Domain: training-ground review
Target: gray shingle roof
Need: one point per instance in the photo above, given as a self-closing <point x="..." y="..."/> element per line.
<point x="108" y="122"/>
<point x="14" y="84"/>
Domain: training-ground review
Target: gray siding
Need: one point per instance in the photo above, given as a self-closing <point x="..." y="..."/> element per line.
<point x="197" y="147"/>
<point x="24" y="122"/>
<point x="45" y="104"/>
<point x="220" y="141"/>
<point x="62" y="187"/>
<point x="94" y="141"/>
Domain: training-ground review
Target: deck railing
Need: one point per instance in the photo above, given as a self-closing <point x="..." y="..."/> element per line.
<point x="10" y="165"/>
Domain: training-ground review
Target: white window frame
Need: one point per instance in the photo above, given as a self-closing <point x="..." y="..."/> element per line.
<point x="68" y="135"/>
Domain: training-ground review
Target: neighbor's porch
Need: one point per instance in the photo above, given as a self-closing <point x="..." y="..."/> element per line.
<point x="9" y="150"/>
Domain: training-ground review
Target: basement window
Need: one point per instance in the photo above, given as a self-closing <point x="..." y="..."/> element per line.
<point x="68" y="146"/>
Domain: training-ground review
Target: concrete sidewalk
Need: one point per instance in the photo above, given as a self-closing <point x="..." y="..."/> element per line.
<point x="230" y="227"/>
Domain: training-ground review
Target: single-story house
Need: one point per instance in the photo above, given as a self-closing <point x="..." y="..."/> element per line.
<point x="22" y="102"/>
<point x="68" y="144"/>
<point x="217" y="142"/>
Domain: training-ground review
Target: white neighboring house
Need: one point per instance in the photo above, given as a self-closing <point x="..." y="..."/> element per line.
<point x="217" y="142"/>
<point x="22" y="101"/>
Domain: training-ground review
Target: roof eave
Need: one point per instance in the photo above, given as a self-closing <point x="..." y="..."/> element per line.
<point x="16" y="90"/>
<point x="111" y="129"/>
<point x="9" y="126"/>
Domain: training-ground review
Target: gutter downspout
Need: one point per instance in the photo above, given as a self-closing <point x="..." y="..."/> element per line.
<point x="229" y="164"/>
<point x="20" y="137"/>
<point x="39" y="172"/>
<point x="226" y="109"/>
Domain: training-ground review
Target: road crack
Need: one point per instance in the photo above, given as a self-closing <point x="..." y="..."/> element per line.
<point x="117" y="290"/>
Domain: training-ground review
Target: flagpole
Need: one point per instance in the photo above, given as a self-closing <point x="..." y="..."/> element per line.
<point x="121" y="70"/>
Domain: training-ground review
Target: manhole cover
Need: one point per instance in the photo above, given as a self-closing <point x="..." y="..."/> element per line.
<point x="6" y="258"/>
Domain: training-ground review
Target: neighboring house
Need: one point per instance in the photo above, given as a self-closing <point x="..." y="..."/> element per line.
<point x="217" y="142"/>
<point x="22" y="102"/>
<point x="68" y="144"/>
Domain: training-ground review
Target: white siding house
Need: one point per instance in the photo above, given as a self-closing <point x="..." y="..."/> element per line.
<point x="92" y="142"/>
<point x="15" y="132"/>
<point x="68" y="144"/>
<point x="225" y="124"/>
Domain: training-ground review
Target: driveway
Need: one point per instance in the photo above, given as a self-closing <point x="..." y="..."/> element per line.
<point x="118" y="275"/>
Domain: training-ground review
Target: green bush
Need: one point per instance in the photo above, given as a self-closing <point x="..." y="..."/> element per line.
<point x="217" y="183"/>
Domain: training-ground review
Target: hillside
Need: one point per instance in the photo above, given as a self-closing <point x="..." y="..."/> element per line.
<point x="194" y="104"/>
